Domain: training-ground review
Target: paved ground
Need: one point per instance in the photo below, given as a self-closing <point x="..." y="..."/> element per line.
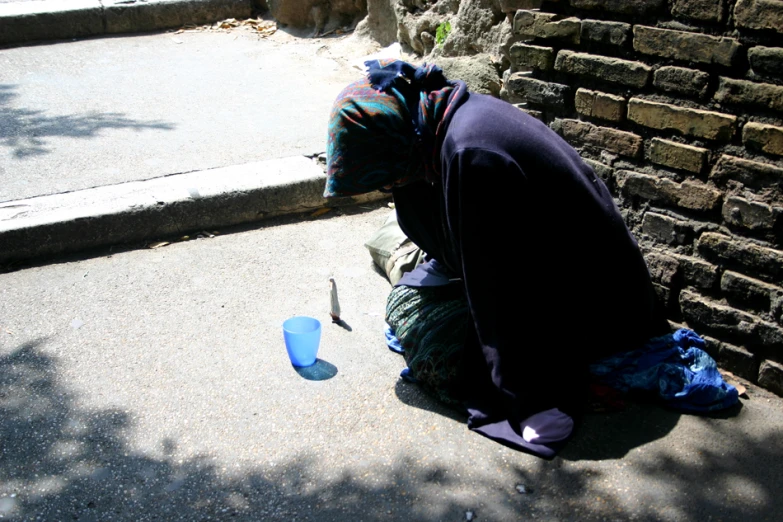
<point x="152" y="384"/>
<point x="95" y="112"/>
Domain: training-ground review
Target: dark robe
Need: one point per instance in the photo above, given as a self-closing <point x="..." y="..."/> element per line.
<point x="552" y="275"/>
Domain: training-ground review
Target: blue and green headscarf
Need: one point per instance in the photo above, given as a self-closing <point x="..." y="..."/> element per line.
<point x="385" y="130"/>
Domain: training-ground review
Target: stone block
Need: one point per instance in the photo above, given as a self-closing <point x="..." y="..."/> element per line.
<point x="691" y="122"/>
<point x="682" y="80"/>
<point x="605" y="172"/>
<point x="538" y="91"/>
<point x="686" y="46"/>
<point x="663" y="294"/>
<point x="600" y="105"/>
<point x="752" y="215"/>
<point x="677" y="155"/>
<point x="752" y="174"/>
<point x="703" y="10"/>
<point x="738" y="360"/>
<point x="753" y="258"/>
<point x="698" y="273"/>
<point x="770" y="335"/>
<point x="771" y="376"/>
<point x="666" y="229"/>
<point x="748" y="292"/>
<point x="663" y="269"/>
<point x="534" y="24"/>
<point x="613" y="140"/>
<point x="766" y="61"/>
<point x="759" y="14"/>
<point x="703" y="313"/>
<point x="747" y="92"/>
<point x="30" y="21"/>
<point x="512" y="6"/>
<point x="532" y="56"/>
<point x="615" y="70"/>
<point x="634" y="7"/>
<point x="612" y="33"/>
<point x="692" y="195"/>
<point x="531" y="112"/>
<point x="766" y="138"/>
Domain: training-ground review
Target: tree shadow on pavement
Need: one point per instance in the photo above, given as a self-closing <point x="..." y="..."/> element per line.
<point x="25" y="131"/>
<point x="61" y="461"/>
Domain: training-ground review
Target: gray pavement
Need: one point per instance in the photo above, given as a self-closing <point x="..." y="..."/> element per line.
<point x="103" y="111"/>
<point x="90" y="125"/>
<point x="152" y="384"/>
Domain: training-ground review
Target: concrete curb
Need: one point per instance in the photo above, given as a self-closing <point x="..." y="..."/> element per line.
<point x="54" y="19"/>
<point x="162" y="207"/>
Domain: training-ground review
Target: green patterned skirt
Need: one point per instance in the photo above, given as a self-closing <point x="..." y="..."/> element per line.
<point x="431" y="324"/>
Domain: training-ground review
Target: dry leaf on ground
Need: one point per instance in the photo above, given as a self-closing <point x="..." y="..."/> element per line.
<point x="320" y="212"/>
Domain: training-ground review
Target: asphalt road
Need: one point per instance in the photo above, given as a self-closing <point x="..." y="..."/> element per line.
<point x="153" y="384"/>
<point x="81" y="114"/>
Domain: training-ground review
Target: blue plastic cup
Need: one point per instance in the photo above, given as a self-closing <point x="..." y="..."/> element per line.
<point x="302" y="336"/>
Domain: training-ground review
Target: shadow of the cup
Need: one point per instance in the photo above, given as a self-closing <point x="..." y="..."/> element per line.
<point x="302" y="336"/>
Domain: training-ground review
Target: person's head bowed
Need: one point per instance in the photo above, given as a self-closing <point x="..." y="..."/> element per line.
<point x="384" y="129"/>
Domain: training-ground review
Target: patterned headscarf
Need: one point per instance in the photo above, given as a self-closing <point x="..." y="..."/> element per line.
<point x="385" y="130"/>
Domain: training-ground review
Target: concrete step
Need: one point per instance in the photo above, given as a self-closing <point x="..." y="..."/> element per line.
<point x="22" y="22"/>
<point x="162" y="207"/>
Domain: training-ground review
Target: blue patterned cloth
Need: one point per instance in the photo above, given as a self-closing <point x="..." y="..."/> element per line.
<point x="675" y="367"/>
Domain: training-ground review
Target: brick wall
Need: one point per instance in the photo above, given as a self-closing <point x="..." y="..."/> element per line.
<point x="678" y="106"/>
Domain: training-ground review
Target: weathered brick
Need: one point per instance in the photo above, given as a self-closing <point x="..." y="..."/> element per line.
<point x="635" y="7"/>
<point x="534" y="113"/>
<point x="677" y="155"/>
<point x="683" y="45"/>
<point x="600" y="105"/>
<point x="534" y="24"/>
<point x="605" y="172"/>
<point x="771" y="376"/>
<point x="692" y="122"/>
<point x="759" y="176"/>
<point x="766" y="61"/>
<point x="768" y="334"/>
<point x="713" y="317"/>
<point x="752" y="257"/>
<point x="748" y="292"/>
<point x="698" y="273"/>
<point x="613" y="140"/>
<point x="615" y="70"/>
<point x="738" y="360"/>
<point x="663" y="269"/>
<point x="759" y="14"/>
<point x="705" y="10"/>
<point x="766" y="138"/>
<point x="748" y="214"/>
<point x="532" y="56"/>
<point x="537" y="91"/>
<point x="701" y="312"/>
<point x="667" y="229"/>
<point x="512" y="6"/>
<point x="688" y="194"/>
<point x="682" y="80"/>
<point x="747" y="92"/>
<point x="663" y="294"/>
<point x="613" y="33"/>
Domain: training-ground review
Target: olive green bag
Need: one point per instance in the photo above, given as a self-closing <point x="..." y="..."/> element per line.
<point x="392" y="251"/>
